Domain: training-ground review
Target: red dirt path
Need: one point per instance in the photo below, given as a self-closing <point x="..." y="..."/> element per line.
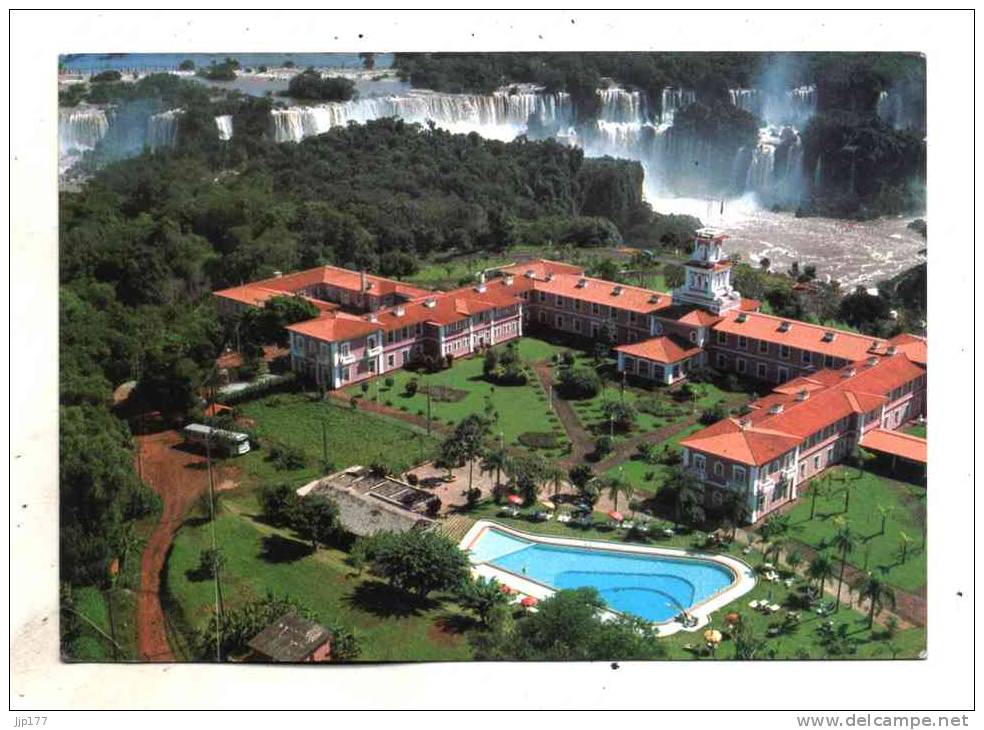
<point x="179" y="477"/>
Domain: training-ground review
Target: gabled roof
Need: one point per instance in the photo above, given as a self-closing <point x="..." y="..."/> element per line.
<point x="689" y="314"/>
<point x="912" y="345"/>
<point x="291" y="638"/>
<point x="666" y="350"/>
<point x="336" y="327"/>
<point x="896" y="443"/>
<point x="801" y="335"/>
<point x="748" y="444"/>
<point x="541" y="268"/>
<point x="599" y="291"/>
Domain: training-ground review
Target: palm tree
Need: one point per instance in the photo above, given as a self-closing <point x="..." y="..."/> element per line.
<point x="555" y="474"/>
<point x="877" y="593"/>
<point x="904" y="541"/>
<point x="821" y="488"/>
<point x="495" y="460"/>
<point x="773" y="551"/>
<point x="617" y="486"/>
<point x="735" y="511"/>
<point x="885" y="513"/>
<point x="820" y="569"/>
<point x="844" y="541"/>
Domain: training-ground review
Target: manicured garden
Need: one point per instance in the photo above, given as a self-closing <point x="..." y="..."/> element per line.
<point x="304" y="422"/>
<point x="462" y="390"/>
<point x="887" y="517"/>
<point x="651" y="476"/>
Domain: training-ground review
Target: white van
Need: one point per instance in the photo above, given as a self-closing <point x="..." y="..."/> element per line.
<point x="230" y="443"/>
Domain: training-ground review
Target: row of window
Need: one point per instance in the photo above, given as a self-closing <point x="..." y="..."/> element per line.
<point x="763" y="347"/>
<point x="738" y="473"/>
<point x="596" y="309"/>
<point x="761" y="368"/>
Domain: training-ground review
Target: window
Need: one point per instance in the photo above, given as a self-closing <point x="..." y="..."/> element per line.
<point x="543" y="317"/>
<point x="816" y="461"/>
<point x="784" y="352"/>
<point x="371" y="342"/>
<point x="700" y="462"/>
<point x="807" y="357"/>
<point x="344" y="374"/>
<point x="718" y="469"/>
<point x="644" y="368"/>
<point x="722" y="338"/>
<point x="560" y="301"/>
<point x="828" y="361"/>
<point x="577" y="305"/>
<point x="344" y="349"/>
<point x="595" y="308"/>
<point x="830" y="455"/>
<point x="594" y="331"/>
<point x="742" y="342"/>
<point x="783" y="375"/>
<point x="761" y="370"/>
<point x="693" y="336"/>
<point x="577" y="325"/>
<point x="390" y="360"/>
<point x="738" y="474"/>
<point x="802" y="470"/>
<point x="740" y="365"/>
<point x="722" y="361"/>
<point x="763" y="346"/>
<point x="543" y="296"/>
<point x="559" y="322"/>
<point x="613" y="312"/>
<point x="632" y="317"/>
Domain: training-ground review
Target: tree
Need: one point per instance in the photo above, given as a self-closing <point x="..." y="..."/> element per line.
<point x="186" y="65"/>
<point x="616" y="487"/>
<point x="878" y="595"/>
<point x="748" y="643"/>
<point x="419" y="562"/>
<point x="309" y="84"/>
<point x="674" y="275"/>
<point x="579" y="383"/>
<point x="885" y="512"/>
<point x="495" y="460"/>
<point x="482" y="595"/>
<point x="368" y="61"/>
<point x="689" y="493"/>
<point x="279" y="503"/>
<point x="568" y="627"/>
<point x="820" y="569"/>
<point x="466" y="443"/>
<point x="554" y="474"/>
<point x="821" y="488"/>
<point x="621" y="416"/>
<point x="844" y="541"/>
<point x="527" y="474"/>
<point x="904" y="541"/>
<point x="735" y="510"/>
<point x="316" y="519"/>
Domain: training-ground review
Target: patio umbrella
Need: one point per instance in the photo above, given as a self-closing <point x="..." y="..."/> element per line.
<point x="515" y="499"/>
<point x="732" y="618"/>
<point x="528" y="602"/>
<point x="548" y="504"/>
<point x="617" y="516"/>
<point x="712" y="636"/>
<point x="505" y="589"/>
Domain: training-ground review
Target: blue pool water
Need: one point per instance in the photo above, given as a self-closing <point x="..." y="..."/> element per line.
<point x="656" y="588"/>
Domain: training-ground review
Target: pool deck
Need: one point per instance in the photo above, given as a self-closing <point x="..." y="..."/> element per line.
<point x="742" y="572"/>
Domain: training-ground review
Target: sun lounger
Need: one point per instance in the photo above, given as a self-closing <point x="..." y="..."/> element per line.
<point x="564" y="519"/>
<point x="753" y="604"/>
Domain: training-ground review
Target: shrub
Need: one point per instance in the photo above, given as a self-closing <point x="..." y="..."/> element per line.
<point x="538" y="440"/>
<point x="567" y="359"/>
<point x="579" y="383"/>
<point x="278" y="502"/>
<point x="353" y="402"/>
<point x="603" y="446"/>
<point x="287" y="458"/>
<point x="411" y="387"/>
<point x="364" y="386"/>
<point x="621" y="415"/>
<point x="278" y="384"/>
<point x="390" y="381"/>
<point x="413" y="480"/>
<point x="713" y="414"/>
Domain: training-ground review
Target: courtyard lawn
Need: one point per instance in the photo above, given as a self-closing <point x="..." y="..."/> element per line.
<point x="646" y="477"/>
<point x="517" y="409"/>
<point x="353" y="436"/>
<point x="447" y="275"/>
<point x="877" y="551"/>
<point x="916" y="429"/>
<point x="260" y="558"/>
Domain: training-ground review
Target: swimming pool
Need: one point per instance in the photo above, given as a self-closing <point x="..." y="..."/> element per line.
<point x="654" y="586"/>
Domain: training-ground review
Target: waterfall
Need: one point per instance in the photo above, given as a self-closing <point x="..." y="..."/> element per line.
<point x="673" y="100"/>
<point x="224" y="125"/>
<point x="503" y="114"/>
<point x="621" y="106"/>
<point x="745" y="99"/>
<point x="761" y="171"/>
<point x="81" y="128"/>
<point x="162" y="129"/>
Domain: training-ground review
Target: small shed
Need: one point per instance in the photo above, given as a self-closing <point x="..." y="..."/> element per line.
<point x="292" y="639"/>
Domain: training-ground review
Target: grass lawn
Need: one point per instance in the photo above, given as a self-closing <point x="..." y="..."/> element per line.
<point x="916" y="429"/>
<point x="261" y="558"/>
<point x="647" y="477"/>
<point x="804" y="643"/>
<point x="877" y="551"/>
<point x="353" y="437"/>
<point x="520" y="408"/>
<point x="447" y="275"/>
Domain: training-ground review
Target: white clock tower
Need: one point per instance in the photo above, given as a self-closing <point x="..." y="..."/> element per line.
<point x="708" y="275"/>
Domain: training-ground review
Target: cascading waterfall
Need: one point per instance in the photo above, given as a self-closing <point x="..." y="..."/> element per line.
<point x="162" y="129"/>
<point x="745" y="99"/>
<point x="673" y="100"/>
<point x="224" y="125"/>
<point x="622" y="106"/>
<point x="81" y="128"/>
<point x="502" y="115"/>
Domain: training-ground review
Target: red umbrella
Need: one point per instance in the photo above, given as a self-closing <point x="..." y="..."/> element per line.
<point x="505" y="589"/>
<point x="617" y="516"/>
<point x="515" y="499"/>
<point x="528" y="602"/>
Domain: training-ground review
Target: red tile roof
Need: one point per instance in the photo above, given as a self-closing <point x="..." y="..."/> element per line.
<point x="801" y="335"/>
<point x="830" y="395"/>
<point x="896" y="444"/>
<point x="257" y="292"/>
<point x="336" y="328"/>
<point x="688" y="314"/>
<point x="540" y="268"/>
<point x="665" y="350"/>
<point x="746" y="444"/>
<point x="912" y="345"/>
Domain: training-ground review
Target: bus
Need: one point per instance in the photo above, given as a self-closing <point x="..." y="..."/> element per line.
<point x="230" y="443"/>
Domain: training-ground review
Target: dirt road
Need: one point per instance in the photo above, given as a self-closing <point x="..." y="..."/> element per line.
<point x="179" y="477"/>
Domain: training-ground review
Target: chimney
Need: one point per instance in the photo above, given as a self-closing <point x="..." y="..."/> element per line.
<point x="481" y="283"/>
<point x="550" y="276"/>
<point x="616" y="291"/>
<point x="400" y="310"/>
<point x="872" y="361"/>
<point x="430" y="302"/>
<point x="371" y="317"/>
<point x="509" y="280"/>
<point x="278" y="274"/>
<point x="582" y="283"/>
<point x="776" y="409"/>
<point x="892" y="349"/>
<point x="803" y="395"/>
<point x="654" y="299"/>
<point x="785" y="326"/>
<point x="530" y="274"/>
<point x="741" y="318"/>
<point x="849" y="373"/>
<point x="744" y="423"/>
